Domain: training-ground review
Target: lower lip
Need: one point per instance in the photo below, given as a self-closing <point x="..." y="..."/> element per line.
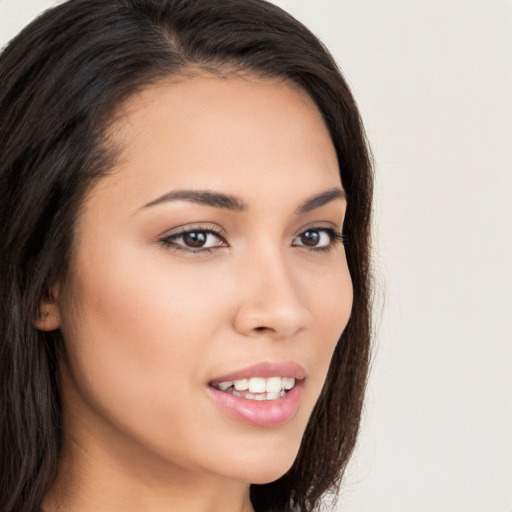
<point x="260" y="413"/>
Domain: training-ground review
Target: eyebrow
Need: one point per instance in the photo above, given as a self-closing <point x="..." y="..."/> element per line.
<point x="321" y="199"/>
<point x="233" y="203"/>
<point x="203" y="197"/>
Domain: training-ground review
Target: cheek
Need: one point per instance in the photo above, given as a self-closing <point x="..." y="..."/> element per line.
<point x="330" y="293"/>
<point x="330" y="303"/>
<point x="135" y="335"/>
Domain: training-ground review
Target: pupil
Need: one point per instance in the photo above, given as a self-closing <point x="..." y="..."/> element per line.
<point x="310" y="238"/>
<point x="195" y="239"/>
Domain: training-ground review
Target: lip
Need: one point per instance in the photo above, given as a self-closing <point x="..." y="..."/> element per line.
<point x="264" y="413"/>
<point x="265" y="369"/>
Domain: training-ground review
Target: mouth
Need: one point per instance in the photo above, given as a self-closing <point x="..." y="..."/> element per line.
<point x="263" y="395"/>
<point x="257" y="388"/>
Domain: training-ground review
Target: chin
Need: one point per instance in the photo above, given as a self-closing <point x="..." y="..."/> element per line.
<point x="268" y="466"/>
<point x="267" y="477"/>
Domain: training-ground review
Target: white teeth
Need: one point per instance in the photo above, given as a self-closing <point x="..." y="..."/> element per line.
<point x="258" y="396"/>
<point x="225" y="385"/>
<point x="288" y="383"/>
<point x="258" y="388"/>
<point x="241" y="385"/>
<point x="257" y="385"/>
<point x="273" y="385"/>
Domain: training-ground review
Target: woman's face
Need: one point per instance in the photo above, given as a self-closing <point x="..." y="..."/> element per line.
<point x="207" y="258"/>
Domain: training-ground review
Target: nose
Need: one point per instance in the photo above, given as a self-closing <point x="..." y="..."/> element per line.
<point x="270" y="301"/>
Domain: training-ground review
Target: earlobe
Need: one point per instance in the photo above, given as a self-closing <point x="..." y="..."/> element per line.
<point x="48" y="317"/>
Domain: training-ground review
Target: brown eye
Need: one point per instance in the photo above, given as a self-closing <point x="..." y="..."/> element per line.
<point x="310" y="238"/>
<point x="194" y="240"/>
<point x="318" y="238"/>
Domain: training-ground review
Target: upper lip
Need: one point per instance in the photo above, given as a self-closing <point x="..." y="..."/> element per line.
<point x="264" y="369"/>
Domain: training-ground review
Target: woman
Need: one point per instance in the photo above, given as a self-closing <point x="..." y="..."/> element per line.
<point x="185" y="201"/>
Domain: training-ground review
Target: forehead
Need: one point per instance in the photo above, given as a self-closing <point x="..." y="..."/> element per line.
<point x="217" y="133"/>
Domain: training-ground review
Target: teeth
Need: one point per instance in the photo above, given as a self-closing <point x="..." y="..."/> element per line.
<point x="258" y="388"/>
<point x="257" y="385"/>
<point x="258" y="396"/>
<point x="225" y="385"/>
<point x="273" y="385"/>
<point x="288" y="383"/>
<point x="241" y="385"/>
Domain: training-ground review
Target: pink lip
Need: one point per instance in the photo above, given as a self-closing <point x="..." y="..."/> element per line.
<point x="264" y="413"/>
<point x="266" y="370"/>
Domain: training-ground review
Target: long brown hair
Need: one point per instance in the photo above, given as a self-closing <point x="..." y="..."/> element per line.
<point x="60" y="79"/>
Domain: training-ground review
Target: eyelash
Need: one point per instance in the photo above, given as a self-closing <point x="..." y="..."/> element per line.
<point x="334" y="238"/>
<point x="170" y="241"/>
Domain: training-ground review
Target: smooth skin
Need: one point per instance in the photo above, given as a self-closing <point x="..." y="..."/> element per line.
<point x="150" y="315"/>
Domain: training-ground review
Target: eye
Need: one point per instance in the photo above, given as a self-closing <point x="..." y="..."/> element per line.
<point x="194" y="240"/>
<point x="318" y="238"/>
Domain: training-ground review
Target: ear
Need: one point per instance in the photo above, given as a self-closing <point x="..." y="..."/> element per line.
<point x="48" y="317"/>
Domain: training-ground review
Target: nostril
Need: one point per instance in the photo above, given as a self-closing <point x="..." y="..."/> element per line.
<point x="263" y="329"/>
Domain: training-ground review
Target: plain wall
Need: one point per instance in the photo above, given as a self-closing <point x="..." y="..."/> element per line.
<point x="434" y="83"/>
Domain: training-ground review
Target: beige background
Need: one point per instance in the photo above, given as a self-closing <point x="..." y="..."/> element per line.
<point x="434" y="83"/>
